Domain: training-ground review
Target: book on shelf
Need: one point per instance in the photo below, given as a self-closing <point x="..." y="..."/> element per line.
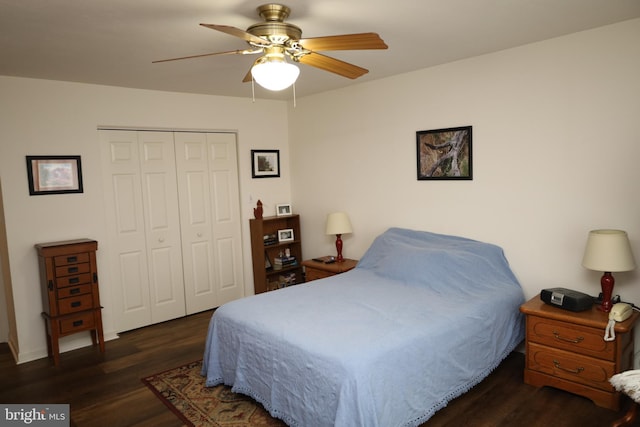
<point x="287" y="279"/>
<point x="269" y="239"/>
<point x="280" y="262"/>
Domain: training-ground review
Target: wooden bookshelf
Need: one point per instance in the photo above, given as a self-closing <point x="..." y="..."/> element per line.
<point x="267" y="278"/>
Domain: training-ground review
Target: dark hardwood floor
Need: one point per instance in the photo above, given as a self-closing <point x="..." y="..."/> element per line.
<point x="105" y="389"/>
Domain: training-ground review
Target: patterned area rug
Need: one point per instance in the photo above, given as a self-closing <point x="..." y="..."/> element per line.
<point x="182" y="390"/>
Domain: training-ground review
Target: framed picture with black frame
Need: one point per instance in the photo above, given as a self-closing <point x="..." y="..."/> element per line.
<point x="265" y="163"/>
<point x="54" y="175"/>
<point x="444" y="154"/>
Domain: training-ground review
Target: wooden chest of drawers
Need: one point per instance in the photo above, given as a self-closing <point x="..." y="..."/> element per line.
<point x="566" y="350"/>
<point x="70" y="294"/>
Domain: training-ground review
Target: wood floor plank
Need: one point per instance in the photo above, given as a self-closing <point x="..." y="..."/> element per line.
<point x="106" y="388"/>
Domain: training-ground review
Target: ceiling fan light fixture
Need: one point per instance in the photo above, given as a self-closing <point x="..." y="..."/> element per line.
<point x="274" y="73"/>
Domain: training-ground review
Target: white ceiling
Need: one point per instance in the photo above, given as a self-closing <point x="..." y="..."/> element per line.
<point x="113" y="42"/>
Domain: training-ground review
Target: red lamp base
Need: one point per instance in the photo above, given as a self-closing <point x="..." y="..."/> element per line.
<point x="606" y="282"/>
<point x="339" y="258"/>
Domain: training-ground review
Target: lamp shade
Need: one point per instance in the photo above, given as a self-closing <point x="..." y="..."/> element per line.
<point x="275" y="74"/>
<point x="338" y="223"/>
<point x="608" y="251"/>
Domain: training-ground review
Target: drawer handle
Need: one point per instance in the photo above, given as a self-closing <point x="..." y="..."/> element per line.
<point x="74" y="280"/>
<point x="572" y="371"/>
<point x="72" y="269"/>
<point x="573" y="341"/>
<point x="74" y="291"/>
<point x="72" y="258"/>
<point x="78" y="323"/>
<point x="76" y="304"/>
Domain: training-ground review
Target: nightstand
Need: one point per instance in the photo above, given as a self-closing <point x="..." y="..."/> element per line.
<point x="566" y="350"/>
<point x="319" y="270"/>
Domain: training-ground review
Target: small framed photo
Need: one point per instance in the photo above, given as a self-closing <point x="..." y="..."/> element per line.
<point x="444" y="154"/>
<point x="265" y="163"/>
<point x="54" y="175"/>
<point x="283" y="209"/>
<point x="285" y="235"/>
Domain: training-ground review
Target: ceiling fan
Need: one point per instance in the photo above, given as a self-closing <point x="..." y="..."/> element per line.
<point x="279" y="40"/>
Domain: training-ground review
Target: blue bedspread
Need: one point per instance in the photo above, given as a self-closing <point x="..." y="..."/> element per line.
<point x="421" y="319"/>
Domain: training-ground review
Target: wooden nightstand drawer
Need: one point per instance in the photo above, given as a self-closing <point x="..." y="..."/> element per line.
<point x="75" y="304"/>
<point x="570" y="366"/>
<point x="315" y="270"/>
<point x="576" y="338"/>
<point x="80" y="322"/>
<point x="313" y="274"/>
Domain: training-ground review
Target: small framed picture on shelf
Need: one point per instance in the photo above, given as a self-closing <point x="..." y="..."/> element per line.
<point x="285" y="235"/>
<point x="267" y="263"/>
<point x="283" y="209"/>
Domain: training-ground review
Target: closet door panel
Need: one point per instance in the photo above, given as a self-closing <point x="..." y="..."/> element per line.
<point x="226" y="227"/>
<point x="195" y="214"/>
<point x="126" y="243"/>
<point x="162" y="221"/>
<point x="134" y="297"/>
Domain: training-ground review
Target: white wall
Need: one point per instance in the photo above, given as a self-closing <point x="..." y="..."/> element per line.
<point x="39" y="117"/>
<point x="556" y="148"/>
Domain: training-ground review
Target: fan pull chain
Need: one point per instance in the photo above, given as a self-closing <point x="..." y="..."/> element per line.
<point x="253" y="90"/>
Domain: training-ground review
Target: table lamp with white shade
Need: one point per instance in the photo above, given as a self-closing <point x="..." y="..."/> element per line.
<point x="608" y="251"/>
<point x="338" y="223"/>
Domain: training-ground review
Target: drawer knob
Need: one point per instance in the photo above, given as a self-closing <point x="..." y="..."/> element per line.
<point x="572" y="371"/>
<point x="571" y="340"/>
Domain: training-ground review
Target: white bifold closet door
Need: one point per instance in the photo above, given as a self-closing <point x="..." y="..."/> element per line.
<point x="173" y="216"/>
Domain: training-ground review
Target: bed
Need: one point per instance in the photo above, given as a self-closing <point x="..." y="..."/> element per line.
<point x="421" y="319"/>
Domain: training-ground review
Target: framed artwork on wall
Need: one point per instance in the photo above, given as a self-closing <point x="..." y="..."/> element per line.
<point x="265" y="163"/>
<point x="444" y="154"/>
<point x="54" y="174"/>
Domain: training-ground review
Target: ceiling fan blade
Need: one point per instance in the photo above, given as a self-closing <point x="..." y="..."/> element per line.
<point x="248" y="77"/>
<point x="230" y="52"/>
<point x="237" y="32"/>
<point x="333" y="65"/>
<point x="345" y="42"/>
